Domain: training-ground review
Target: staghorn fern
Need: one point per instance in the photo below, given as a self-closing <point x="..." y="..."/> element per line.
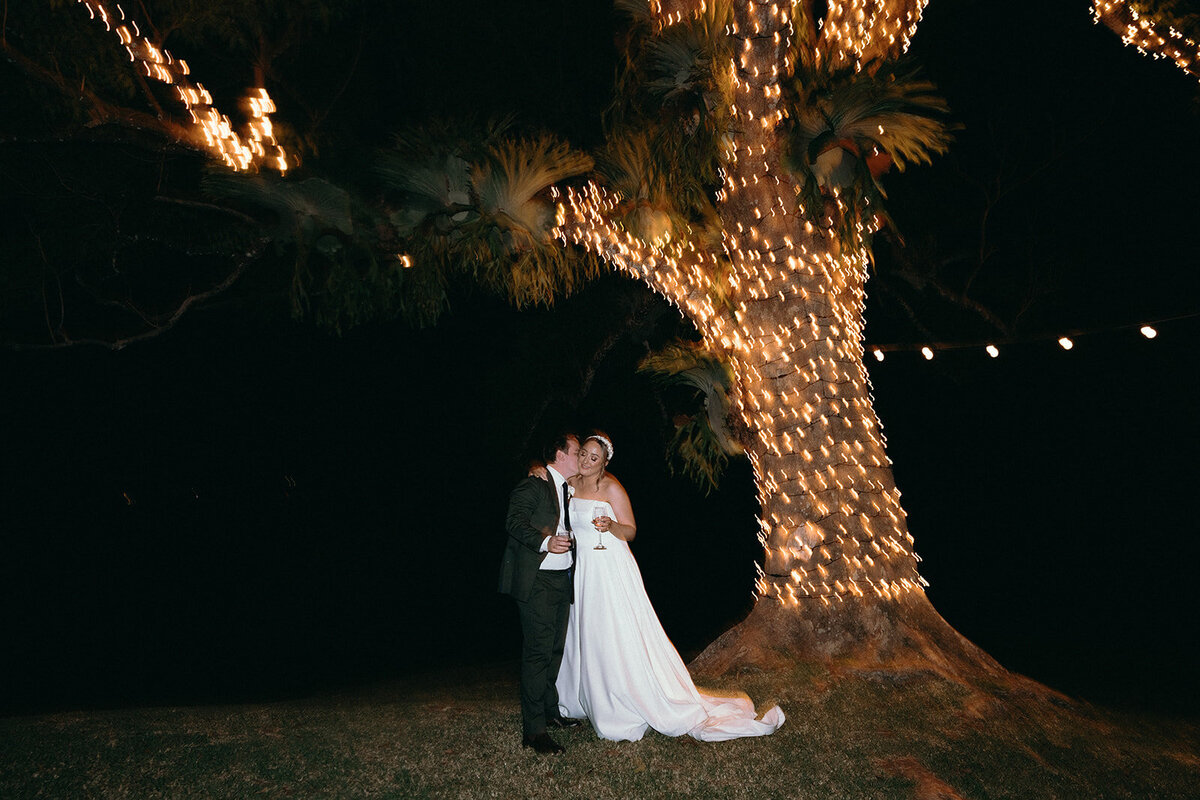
<point x="673" y="93"/>
<point x="509" y="243"/>
<point x="840" y="120"/>
<point x="678" y="63"/>
<point x="898" y="112"/>
<point x="341" y="276"/>
<point x="478" y="207"/>
<point x="304" y="209"/>
<point x="508" y="184"/>
<point x="697" y="453"/>
<point x="439" y="185"/>
<point x="703" y="441"/>
<point x="628" y="167"/>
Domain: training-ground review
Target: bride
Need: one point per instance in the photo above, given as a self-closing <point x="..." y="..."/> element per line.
<point x="619" y="669"/>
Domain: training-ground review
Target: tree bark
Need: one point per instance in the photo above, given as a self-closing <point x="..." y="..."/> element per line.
<point x="839" y="580"/>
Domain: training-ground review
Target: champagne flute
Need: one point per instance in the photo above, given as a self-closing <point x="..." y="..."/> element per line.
<point x="597" y="514"/>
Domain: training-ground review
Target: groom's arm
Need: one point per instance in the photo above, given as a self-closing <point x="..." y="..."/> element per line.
<point x="522" y="505"/>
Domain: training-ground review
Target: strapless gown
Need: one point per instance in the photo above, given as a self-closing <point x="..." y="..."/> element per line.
<point x="619" y="669"/>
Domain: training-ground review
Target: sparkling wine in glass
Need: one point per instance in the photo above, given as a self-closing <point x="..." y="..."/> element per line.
<point x="597" y="513"/>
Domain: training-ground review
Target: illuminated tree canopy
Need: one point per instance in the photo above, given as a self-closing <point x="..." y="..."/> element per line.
<point x="1165" y="29"/>
<point x="740" y="179"/>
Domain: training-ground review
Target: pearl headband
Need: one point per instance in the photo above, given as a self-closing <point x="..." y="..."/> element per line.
<point x="608" y="448"/>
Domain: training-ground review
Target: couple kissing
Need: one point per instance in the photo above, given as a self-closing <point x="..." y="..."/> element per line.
<point x="592" y="646"/>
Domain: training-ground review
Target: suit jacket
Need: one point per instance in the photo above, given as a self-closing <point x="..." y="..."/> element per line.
<point x="532" y="516"/>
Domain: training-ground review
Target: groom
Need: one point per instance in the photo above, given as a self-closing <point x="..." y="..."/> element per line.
<point x="536" y="572"/>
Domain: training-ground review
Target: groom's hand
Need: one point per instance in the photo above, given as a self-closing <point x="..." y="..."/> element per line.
<point x="559" y="544"/>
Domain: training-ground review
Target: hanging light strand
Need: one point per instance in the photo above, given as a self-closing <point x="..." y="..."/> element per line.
<point x="254" y="147"/>
<point x="854" y="32"/>
<point x="1148" y="36"/>
<point x="1148" y="329"/>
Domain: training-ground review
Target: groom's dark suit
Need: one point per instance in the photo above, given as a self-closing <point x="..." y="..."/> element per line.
<point x="543" y="598"/>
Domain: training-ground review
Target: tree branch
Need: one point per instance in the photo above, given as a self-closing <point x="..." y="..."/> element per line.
<point x="100" y="112"/>
<point x="883" y="32"/>
<point x="1148" y="34"/>
<point x="233" y="212"/>
<point x="169" y="322"/>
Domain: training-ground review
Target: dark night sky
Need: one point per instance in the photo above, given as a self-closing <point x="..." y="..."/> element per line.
<point x="297" y="499"/>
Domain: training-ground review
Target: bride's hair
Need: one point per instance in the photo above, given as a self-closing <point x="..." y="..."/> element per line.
<point x="602" y="439"/>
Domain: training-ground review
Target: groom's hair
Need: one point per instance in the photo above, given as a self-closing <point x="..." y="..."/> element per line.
<point x="559" y="442"/>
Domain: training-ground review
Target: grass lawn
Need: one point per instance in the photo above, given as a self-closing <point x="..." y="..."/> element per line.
<point x="456" y="734"/>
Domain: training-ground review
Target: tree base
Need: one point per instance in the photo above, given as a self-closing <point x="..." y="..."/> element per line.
<point x="902" y="636"/>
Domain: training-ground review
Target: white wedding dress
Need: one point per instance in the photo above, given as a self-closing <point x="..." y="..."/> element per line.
<point x="619" y="669"/>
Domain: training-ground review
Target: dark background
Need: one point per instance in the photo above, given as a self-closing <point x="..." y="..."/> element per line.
<point x="247" y="508"/>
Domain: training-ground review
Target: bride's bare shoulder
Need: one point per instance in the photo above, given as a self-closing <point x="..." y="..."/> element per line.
<point x="610" y="485"/>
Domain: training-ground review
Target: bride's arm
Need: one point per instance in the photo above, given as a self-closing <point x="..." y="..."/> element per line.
<point x="624" y="526"/>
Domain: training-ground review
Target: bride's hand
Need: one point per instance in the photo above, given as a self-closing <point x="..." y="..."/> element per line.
<point x="538" y="471"/>
<point x="602" y="523"/>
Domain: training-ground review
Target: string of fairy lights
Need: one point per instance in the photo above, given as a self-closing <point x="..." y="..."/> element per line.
<point x="856" y="31"/>
<point x="254" y="147"/>
<point x="1148" y="36"/>
<point x="819" y="523"/>
<point x="831" y="515"/>
<point x="831" y="524"/>
<point x="1066" y="341"/>
<point x="779" y="297"/>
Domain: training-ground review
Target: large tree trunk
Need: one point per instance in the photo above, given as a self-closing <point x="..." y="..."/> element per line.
<point x="840" y="576"/>
<point x="839" y="579"/>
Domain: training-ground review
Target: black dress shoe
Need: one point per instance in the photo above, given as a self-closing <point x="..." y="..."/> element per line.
<point x="563" y="722"/>
<point x="542" y="743"/>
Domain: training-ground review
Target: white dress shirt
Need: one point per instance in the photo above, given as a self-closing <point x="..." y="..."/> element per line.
<point x="557" y="560"/>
